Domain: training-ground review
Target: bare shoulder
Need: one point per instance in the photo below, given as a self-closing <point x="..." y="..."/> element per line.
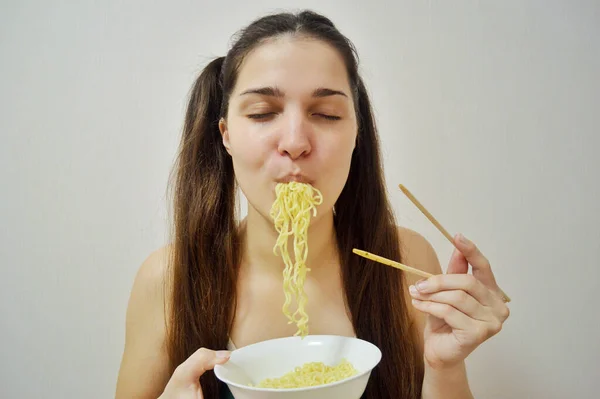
<point x="417" y="252"/>
<point x="144" y="365"/>
<point x="152" y="276"/>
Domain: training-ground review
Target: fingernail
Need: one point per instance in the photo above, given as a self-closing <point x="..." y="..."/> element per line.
<point x="422" y="285"/>
<point x="413" y="290"/>
<point x="415" y="301"/>
<point x="223" y="354"/>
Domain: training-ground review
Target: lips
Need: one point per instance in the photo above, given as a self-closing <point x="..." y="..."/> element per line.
<point x="294" y="178"/>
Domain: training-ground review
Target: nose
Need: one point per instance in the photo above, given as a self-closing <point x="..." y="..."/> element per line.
<point x="295" y="139"/>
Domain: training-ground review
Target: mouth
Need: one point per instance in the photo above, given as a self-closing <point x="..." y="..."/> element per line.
<point x="294" y="178"/>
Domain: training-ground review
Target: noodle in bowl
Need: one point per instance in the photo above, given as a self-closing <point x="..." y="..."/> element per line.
<point x="349" y="362"/>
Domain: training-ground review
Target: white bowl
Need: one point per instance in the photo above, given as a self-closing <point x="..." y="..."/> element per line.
<point x="274" y="358"/>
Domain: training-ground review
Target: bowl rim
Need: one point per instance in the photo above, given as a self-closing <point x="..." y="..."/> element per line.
<point x="219" y="367"/>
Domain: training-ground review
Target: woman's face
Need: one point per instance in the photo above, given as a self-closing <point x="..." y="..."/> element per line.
<point x="291" y="117"/>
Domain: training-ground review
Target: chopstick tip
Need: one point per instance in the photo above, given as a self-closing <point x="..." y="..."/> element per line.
<point x="405" y="190"/>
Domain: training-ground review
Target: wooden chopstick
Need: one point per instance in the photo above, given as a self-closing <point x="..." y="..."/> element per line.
<point x="437" y="224"/>
<point x="390" y="262"/>
<point x="426" y="213"/>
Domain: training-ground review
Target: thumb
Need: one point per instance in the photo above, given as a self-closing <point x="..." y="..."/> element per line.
<point x="198" y="363"/>
<point x="458" y="263"/>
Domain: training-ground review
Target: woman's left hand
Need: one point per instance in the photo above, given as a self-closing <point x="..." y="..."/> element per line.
<point x="463" y="309"/>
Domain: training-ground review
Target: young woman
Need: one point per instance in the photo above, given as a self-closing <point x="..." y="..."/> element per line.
<point x="287" y="104"/>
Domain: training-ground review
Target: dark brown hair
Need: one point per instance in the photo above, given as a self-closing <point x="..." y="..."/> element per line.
<point x="207" y="247"/>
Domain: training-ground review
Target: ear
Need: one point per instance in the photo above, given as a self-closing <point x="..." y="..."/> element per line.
<point x="225" y="135"/>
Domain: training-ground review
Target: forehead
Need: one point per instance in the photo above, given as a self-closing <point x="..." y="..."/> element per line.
<point x="296" y="65"/>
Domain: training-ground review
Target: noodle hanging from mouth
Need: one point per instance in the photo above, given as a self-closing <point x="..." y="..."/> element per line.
<point x="291" y="212"/>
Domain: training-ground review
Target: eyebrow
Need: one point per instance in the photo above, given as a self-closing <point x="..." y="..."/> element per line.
<point x="276" y="92"/>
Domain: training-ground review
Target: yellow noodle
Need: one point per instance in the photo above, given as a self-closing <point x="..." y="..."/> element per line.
<point x="291" y="214"/>
<point x="311" y="374"/>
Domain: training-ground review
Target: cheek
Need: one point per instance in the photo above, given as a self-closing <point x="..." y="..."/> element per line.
<point x="248" y="149"/>
<point x="337" y="155"/>
<point x="335" y="168"/>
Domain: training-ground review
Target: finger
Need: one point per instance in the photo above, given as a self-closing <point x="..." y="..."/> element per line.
<point x="198" y="363"/>
<point x="449" y="282"/>
<point x="459" y="300"/>
<point x="480" y="264"/>
<point x="455" y="319"/>
<point x="458" y="263"/>
<point x="502" y="311"/>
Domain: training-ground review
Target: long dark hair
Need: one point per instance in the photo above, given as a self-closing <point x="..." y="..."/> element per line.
<point x="207" y="249"/>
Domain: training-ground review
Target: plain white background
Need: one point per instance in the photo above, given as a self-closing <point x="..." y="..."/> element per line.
<point x="488" y="111"/>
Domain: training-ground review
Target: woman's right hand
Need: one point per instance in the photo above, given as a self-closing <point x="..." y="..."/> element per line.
<point x="185" y="381"/>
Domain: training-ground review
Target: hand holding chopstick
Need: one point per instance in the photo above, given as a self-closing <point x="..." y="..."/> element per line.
<point x="463" y="309"/>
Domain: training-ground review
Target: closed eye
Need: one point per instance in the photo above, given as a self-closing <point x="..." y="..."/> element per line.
<point x="261" y="116"/>
<point x="329" y="117"/>
<point x="265" y="116"/>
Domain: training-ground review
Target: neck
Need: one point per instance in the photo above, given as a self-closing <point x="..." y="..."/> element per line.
<point x="259" y="237"/>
